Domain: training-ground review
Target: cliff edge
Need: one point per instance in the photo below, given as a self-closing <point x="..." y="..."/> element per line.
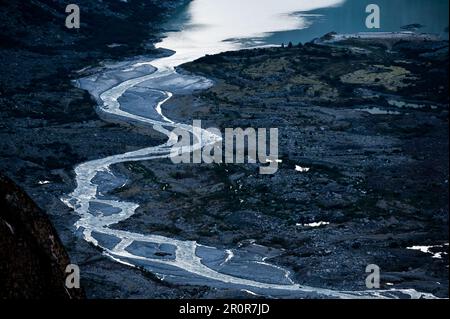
<point x="32" y="258"/>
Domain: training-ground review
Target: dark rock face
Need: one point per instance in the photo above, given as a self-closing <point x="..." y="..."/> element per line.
<point x="32" y="258"/>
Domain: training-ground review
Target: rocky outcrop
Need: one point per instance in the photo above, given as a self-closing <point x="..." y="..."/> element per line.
<point x="32" y="258"/>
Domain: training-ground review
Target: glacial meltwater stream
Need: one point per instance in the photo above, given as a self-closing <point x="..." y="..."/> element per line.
<point x="133" y="92"/>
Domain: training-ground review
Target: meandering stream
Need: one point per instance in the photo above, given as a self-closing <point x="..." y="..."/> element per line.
<point x="133" y="91"/>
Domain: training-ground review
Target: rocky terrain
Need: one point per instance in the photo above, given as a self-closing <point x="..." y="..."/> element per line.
<point x="369" y="119"/>
<point x="364" y="173"/>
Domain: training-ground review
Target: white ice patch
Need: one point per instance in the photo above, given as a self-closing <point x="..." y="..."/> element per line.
<point x="314" y="225"/>
<point x="275" y="161"/>
<point x="427" y="250"/>
<point x="301" y="169"/>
